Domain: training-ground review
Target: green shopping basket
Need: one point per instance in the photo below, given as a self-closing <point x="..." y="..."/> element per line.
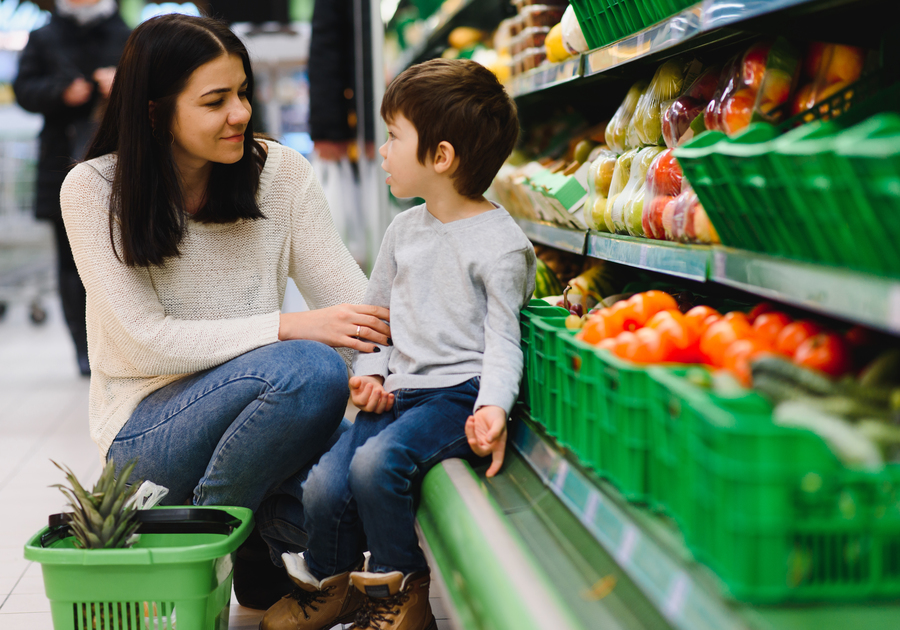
<point x="177" y="575"/>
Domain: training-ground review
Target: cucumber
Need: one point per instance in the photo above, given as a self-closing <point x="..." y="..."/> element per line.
<point x="884" y="370"/>
<point x="851" y="446"/>
<point x="798" y="376"/>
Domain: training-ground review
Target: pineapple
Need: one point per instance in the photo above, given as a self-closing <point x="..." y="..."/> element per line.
<point x="103" y="518"/>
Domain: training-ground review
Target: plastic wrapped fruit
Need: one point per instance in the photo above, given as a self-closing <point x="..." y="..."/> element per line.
<point x="666" y="84"/>
<point x="630" y="223"/>
<point x="600" y="175"/>
<point x="827" y="69"/>
<point x="617" y="127"/>
<point x="620" y="178"/>
<point x="678" y="117"/>
<point x="663" y="183"/>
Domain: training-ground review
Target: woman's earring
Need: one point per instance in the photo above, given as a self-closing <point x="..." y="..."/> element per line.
<point x="172" y="142"/>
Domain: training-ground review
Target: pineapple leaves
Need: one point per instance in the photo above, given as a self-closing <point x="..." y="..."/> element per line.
<point x="105" y="517"/>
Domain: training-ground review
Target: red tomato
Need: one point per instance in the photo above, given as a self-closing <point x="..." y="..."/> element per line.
<point x="719" y="336"/>
<point x="795" y="333"/>
<point x="595" y="329"/>
<point x="650" y="347"/>
<point x="759" y="309"/>
<point x="738" y="355"/>
<point x="767" y="326"/>
<point x="826" y="352"/>
<point x="697" y="317"/>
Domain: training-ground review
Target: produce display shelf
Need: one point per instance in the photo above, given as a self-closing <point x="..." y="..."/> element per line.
<point x="546" y="76"/>
<point x="675" y="259"/>
<point x="859" y="297"/>
<point x="651" y="554"/>
<point x="554" y="235"/>
<point x="849" y="295"/>
<point x="694" y="25"/>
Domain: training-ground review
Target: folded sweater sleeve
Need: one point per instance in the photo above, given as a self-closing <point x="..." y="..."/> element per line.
<point x="125" y="300"/>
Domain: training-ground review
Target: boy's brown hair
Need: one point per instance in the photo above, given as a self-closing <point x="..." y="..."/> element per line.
<point x="461" y="102"/>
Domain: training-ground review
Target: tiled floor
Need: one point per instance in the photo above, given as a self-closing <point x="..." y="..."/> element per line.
<point x="43" y="416"/>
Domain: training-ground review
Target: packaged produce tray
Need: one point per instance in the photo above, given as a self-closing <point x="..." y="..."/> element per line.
<point x="166" y="580"/>
<point x="769" y="508"/>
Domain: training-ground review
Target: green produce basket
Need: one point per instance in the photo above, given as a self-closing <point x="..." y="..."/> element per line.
<point x="543" y="385"/>
<point x="165" y="581"/>
<point x="583" y="399"/>
<point x="773" y="511"/>
<point x="869" y="155"/>
<point x="606" y="21"/>
<point x="535" y="309"/>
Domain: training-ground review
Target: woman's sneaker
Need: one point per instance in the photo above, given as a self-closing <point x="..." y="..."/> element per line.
<point x="393" y="601"/>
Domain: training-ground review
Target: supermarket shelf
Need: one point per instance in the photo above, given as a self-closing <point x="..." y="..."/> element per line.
<point x="857" y="297"/>
<point x="695" y="25"/>
<point x="673" y="591"/>
<point x="852" y="296"/>
<point x="553" y="235"/>
<point x="685" y="261"/>
<point x="546" y="76"/>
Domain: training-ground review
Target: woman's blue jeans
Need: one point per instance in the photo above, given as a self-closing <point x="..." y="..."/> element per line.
<point x="364" y="491"/>
<point x="243" y="433"/>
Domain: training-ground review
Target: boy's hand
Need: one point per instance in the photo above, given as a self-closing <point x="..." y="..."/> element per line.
<point x="367" y="393"/>
<point x="486" y="432"/>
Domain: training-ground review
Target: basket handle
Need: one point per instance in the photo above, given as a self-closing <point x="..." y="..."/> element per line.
<point x="187" y="520"/>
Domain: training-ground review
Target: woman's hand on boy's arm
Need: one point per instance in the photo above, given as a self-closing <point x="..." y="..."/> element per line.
<point x="486" y="432"/>
<point x="336" y="326"/>
<point x="367" y="393"/>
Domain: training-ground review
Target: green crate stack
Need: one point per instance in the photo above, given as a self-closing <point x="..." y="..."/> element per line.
<point x="626" y="388"/>
<point x="535" y="309"/>
<point x="544" y="381"/>
<point x="582" y="390"/>
<point x="771" y="509"/>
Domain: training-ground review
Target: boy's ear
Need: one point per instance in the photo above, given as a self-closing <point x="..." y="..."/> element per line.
<point x="444" y="157"/>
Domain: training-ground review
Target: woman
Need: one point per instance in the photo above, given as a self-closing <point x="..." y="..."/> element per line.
<point x="65" y="74"/>
<point x="185" y="229"/>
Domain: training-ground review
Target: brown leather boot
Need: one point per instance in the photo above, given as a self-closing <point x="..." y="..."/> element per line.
<point x="313" y="604"/>
<point x="394" y="601"/>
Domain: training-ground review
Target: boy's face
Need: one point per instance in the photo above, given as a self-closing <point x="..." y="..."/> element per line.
<point x="407" y="176"/>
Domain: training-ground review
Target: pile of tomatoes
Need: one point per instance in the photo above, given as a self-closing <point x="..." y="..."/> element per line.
<point x="649" y="328"/>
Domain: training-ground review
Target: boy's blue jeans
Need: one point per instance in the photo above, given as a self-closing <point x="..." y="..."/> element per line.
<point x="363" y="492"/>
<point x="243" y="433"/>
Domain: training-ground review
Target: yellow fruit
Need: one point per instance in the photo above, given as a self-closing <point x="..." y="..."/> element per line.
<point x="556" y="52"/>
<point x="464" y="36"/>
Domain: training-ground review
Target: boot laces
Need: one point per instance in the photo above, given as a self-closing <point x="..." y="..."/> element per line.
<point x="309" y="599"/>
<point x="379" y="610"/>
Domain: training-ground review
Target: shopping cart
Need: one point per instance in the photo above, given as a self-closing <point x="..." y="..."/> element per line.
<point x="26" y="245"/>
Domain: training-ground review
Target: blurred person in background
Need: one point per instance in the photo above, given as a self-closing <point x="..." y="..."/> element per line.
<point x="66" y="73"/>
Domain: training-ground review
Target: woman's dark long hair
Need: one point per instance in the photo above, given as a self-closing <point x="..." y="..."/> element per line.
<point x="147" y="199"/>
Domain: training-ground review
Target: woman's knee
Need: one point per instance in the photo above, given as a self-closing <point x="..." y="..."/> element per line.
<point x="311" y="370"/>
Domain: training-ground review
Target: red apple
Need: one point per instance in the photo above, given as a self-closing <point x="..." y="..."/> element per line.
<point x="775" y="91"/>
<point x="664" y="174"/>
<point x="737" y="111"/>
<point x="815" y="54"/>
<point x="846" y="64"/>
<point x="652" y="220"/>
<point x="705" y="85"/>
<point x="668" y="218"/>
<point x="753" y="67"/>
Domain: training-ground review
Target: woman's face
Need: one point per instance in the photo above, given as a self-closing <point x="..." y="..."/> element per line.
<point x="211" y="115"/>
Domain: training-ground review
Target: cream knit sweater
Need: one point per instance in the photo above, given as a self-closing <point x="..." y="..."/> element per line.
<point x="149" y="326"/>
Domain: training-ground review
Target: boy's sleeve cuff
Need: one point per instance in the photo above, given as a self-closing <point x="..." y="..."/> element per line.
<point x="372" y="363"/>
<point x="504" y="400"/>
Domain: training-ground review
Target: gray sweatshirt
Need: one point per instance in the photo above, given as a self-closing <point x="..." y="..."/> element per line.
<point x="454" y="291"/>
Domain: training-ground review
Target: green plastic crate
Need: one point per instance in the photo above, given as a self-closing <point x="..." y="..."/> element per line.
<point x="543" y="385"/>
<point x="163" y="581"/>
<point x="870" y="156"/>
<point x="626" y="388"/>
<point x="535" y="309"/>
<point x="606" y="21"/>
<point x="583" y="398"/>
<point x="773" y="512"/>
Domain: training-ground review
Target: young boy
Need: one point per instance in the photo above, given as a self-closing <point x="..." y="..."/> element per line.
<point x="455" y="272"/>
